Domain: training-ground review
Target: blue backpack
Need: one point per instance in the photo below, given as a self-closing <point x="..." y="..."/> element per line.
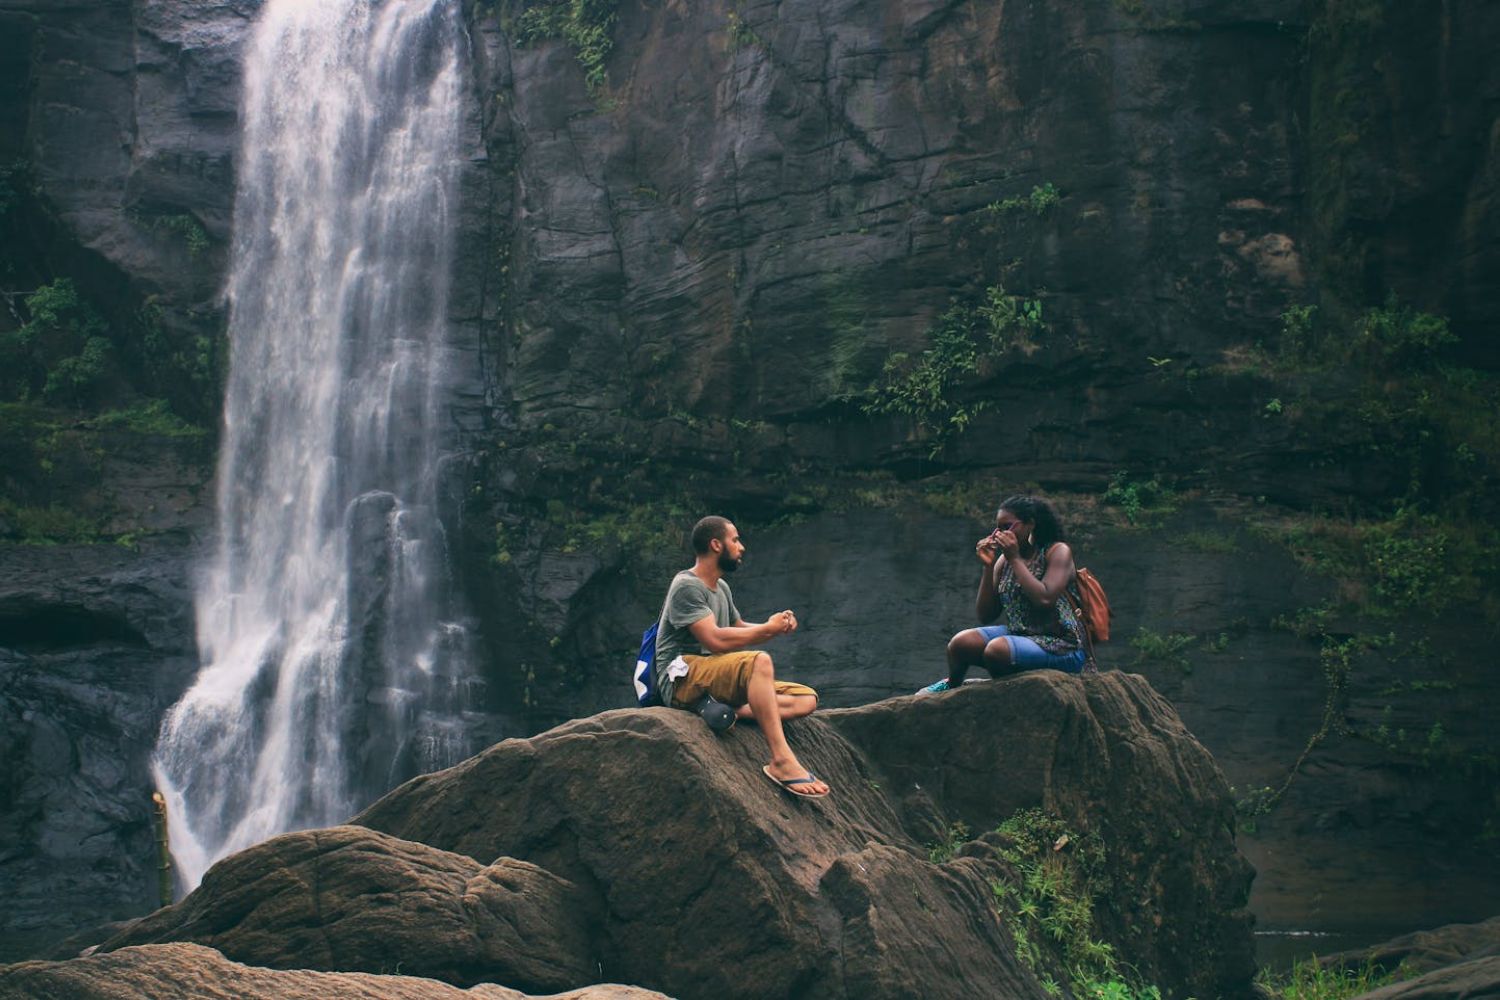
<point x="645" y="681"/>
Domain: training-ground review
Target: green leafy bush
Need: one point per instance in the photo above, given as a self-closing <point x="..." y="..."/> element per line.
<point x="1310" y="979"/>
<point x="61" y="353"/>
<point x="965" y="339"/>
<point x="1158" y="647"/>
<point x="1048" y="903"/>
<point x="1399" y="335"/>
<point x="1040" y="201"/>
<point x="1139" y="498"/>
<point x="586" y="25"/>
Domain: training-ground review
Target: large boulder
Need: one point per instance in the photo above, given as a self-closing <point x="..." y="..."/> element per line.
<point x="638" y="847"/>
<point x="190" y="970"/>
<point x="1111" y="756"/>
<point x="1454" y="962"/>
<point x="1477" y="979"/>
<point x="351" y="899"/>
<point x="714" y="882"/>
<point x="1422" y="952"/>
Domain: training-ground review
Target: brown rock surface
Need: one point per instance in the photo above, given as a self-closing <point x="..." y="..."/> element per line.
<point x="1478" y="979"/>
<point x="350" y="899"/>
<point x="151" y="972"/>
<point x="715" y="883"/>
<point x="1111" y="755"/>
<point x="1428" y="951"/>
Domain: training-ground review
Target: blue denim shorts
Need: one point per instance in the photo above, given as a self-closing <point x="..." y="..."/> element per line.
<point x="1025" y="653"/>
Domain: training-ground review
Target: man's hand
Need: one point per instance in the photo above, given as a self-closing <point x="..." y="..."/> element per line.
<point x="785" y="622"/>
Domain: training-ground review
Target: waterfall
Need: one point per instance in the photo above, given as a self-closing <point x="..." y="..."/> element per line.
<point x="332" y="666"/>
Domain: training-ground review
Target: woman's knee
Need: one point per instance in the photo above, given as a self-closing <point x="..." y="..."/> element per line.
<point x="998" y="651"/>
<point x="969" y="641"/>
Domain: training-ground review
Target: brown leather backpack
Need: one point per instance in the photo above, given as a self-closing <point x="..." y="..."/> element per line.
<point x="1095" y="606"/>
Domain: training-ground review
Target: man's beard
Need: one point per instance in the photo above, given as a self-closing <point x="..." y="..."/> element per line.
<point x="727" y="564"/>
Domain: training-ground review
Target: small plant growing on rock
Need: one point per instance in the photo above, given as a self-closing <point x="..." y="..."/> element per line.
<point x="1311" y="979"/>
<point x="586" y="25"/>
<point x="1168" y="648"/>
<point x="956" y="836"/>
<point x="1038" y="202"/>
<point x="1048" y="902"/>
<point x="1139" y="498"/>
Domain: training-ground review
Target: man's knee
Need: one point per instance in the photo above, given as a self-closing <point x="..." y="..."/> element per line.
<point x="802" y="705"/>
<point x="762" y="667"/>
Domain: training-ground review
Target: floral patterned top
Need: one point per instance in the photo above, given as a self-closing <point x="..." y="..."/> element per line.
<point x="1057" y="629"/>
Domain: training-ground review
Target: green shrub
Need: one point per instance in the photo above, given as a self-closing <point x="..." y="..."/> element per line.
<point x="1399" y="335"/>
<point x="1047" y="900"/>
<point x="1408" y="559"/>
<point x="1137" y="498"/>
<point x="965" y="339"/>
<point x="75" y="380"/>
<point x="586" y="25"/>
<point x="1039" y="202"/>
<point x="1298" y="332"/>
<point x="1310" y="979"/>
<point x="60" y="353"/>
<point x="1156" y="647"/>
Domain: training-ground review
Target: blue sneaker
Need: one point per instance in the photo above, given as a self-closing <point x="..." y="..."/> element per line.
<point x="937" y="688"/>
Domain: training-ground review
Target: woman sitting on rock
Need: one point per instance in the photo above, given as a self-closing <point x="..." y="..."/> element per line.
<point x="1028" y="569"/>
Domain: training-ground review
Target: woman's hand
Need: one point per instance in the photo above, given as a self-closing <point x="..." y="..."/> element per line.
<point x="1008" y="545"/>
<point x="987" y="550"/>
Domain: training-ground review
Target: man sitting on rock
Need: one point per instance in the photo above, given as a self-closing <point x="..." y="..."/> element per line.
<point x="704" y="663"/>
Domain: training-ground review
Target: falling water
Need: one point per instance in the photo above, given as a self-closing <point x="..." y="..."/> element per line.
<point x="330" y="671"/>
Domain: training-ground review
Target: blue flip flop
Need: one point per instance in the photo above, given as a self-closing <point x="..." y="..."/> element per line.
<point x="786" y="785"/>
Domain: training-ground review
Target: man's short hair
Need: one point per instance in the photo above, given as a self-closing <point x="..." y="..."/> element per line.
<point x="705" y="531"/>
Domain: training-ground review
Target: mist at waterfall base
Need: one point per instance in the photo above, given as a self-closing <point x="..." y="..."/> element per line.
<point x="334" y="664"/>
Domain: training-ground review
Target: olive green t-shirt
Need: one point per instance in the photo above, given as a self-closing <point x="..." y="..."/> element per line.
<point x="689" y="600"/>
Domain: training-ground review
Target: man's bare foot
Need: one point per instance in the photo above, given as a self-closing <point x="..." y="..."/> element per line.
<point x="793" y="777"/>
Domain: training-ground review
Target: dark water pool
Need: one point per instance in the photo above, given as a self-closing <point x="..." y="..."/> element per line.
<point x="1281" y="949"/>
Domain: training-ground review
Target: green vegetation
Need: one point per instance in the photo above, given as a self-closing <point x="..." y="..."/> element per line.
<point x="1140" y="500"/>
<point x="1408" y="562"/>
<point x="1048" y="903"/>
<point x="1209" y="542"/>
<point x="149" y="417"/>
<point x="956" y="836"/>
<point x="586" y="25"/>
<point x="1039" y="202"/>
<point x="741" y="35"/>
<point x="1312" y="980"/>
<point x="183" y="227"/>
<point x="60" y="354"/>
<point x="1169" y="648"/>
<point x="49" y="525"/>
<point x="964" y="344"/>
<point x="1373" y="392"/>
<point x="1337" y="655"/>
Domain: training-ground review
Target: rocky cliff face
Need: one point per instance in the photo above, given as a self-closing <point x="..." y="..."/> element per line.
<point x="680" y="281"/>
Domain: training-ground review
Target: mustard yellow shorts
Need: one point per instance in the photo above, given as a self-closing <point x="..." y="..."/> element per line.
<point x="726" y="676"/>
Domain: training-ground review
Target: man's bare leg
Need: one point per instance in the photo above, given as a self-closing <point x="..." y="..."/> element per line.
<point x="763" y="705"/>
<point x="790" y="706"/>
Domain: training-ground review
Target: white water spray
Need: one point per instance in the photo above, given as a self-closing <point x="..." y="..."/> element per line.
<point x="329" y="670"/>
